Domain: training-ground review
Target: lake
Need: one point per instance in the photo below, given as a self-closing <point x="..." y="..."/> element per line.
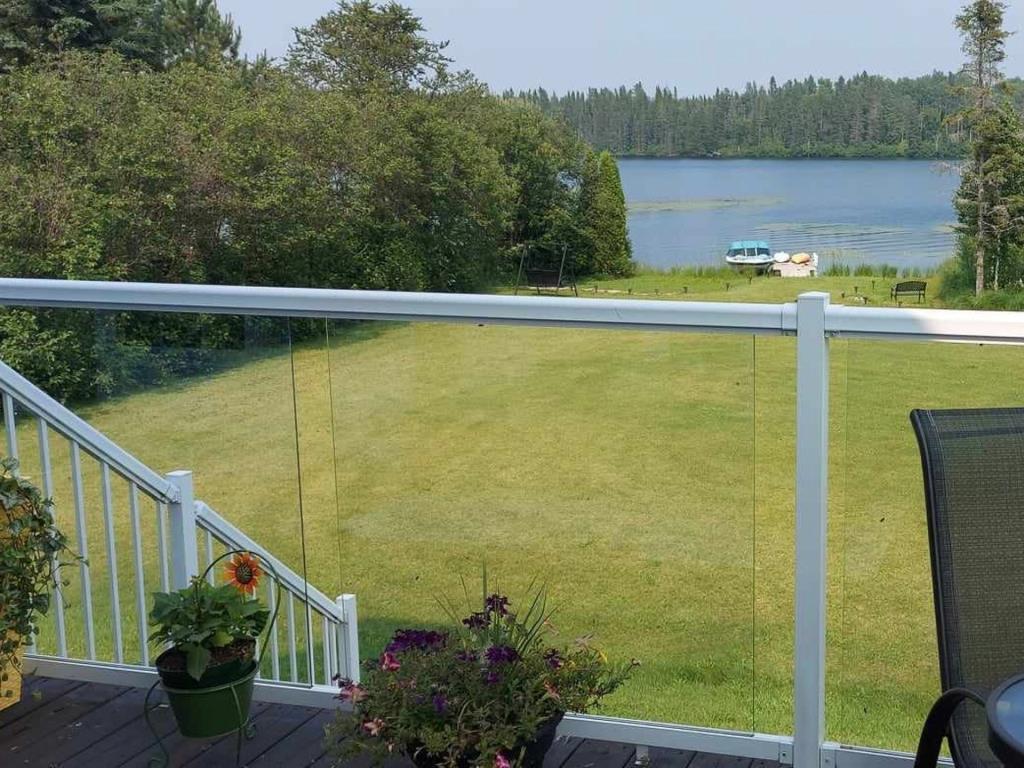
<point x="686" y="212"/>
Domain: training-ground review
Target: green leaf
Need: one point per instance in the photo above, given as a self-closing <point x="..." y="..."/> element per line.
<point x="197" y="659"/>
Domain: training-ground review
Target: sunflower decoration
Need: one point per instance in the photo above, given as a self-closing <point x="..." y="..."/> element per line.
<point x="244" y="572"/>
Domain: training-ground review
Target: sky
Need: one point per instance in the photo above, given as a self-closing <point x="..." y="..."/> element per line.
<point x="693" y="45"/>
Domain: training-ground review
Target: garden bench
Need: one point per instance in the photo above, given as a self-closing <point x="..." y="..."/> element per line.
<point x="909" y="288"/>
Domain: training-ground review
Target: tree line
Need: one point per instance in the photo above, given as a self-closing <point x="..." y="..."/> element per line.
<point x="861" y="116"/>
<point x="140" y="148"/>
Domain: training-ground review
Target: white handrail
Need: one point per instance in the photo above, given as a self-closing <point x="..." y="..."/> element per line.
<point x="208" y="519"/>
<point x="949" y="325"/>
<point x="395" y="306"/>
<point x="709" y="317"/>
<point x="77" y="430"/>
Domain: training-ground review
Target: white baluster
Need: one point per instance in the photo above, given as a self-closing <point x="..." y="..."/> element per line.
<point x="83" y="548"/>
<point x="140" y="580"/>
<point x="115" y="596"/>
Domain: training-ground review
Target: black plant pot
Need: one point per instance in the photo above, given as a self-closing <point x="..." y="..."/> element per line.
<point x="536" y="749"/>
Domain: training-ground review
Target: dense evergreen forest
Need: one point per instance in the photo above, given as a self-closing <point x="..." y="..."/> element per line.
<point x="863" y="116"/>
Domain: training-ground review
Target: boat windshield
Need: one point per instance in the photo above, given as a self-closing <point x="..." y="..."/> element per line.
<point x="749" y="251"/>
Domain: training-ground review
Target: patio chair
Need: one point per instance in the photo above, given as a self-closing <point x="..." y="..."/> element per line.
<point x="974" y="495"/>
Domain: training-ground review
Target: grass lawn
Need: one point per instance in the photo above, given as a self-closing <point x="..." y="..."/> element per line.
<point x="648" y="477"/>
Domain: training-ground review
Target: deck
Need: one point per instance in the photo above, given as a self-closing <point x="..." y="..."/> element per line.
<point x="64" y="723"/>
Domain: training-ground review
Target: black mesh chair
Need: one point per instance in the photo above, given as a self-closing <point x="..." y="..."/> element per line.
<point x="973" y="464"/>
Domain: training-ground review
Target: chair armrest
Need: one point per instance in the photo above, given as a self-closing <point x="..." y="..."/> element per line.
<point x="936" y="726"/>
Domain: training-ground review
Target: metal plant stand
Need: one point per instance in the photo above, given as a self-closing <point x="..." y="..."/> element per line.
<point x="245" y="729"/>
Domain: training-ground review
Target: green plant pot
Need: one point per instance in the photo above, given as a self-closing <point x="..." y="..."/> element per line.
<point x="215" y="705"/>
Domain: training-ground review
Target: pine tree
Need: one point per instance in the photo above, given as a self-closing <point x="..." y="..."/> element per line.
<point x="30" y="29"/>
<point x="984" y="44"/>
<point x="605" y="237"/>
<point x="195" y="30"/>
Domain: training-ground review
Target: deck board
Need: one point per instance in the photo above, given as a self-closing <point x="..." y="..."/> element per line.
<point x="670" y="758"/>
<point x="62" y="724"/>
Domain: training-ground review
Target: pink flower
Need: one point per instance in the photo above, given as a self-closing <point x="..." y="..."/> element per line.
<point x="501" y="761"/>
<point x="373" y="727"/>
<point x="388" y="662"/>
<point x="352" y="692"/>
<point x="551" y="690"/>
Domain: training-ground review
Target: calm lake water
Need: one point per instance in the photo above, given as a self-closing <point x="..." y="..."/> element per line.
<point x="686" y="212"/>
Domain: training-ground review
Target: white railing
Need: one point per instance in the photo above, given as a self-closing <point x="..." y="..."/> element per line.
<point x="811" y="319"/>
<point x="335" y="620"/>
<point x="321" y="645"/>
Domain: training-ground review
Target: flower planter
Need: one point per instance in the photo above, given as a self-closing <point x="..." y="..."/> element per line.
<point x="10" y="689"/>
<point x="216" y="704"/>
<point x="533" y="758"/>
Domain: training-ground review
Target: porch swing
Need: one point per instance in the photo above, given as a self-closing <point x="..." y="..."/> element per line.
<point x="541" y="274"/>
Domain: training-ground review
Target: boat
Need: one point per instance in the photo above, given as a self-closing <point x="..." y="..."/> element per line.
<point x="750" y="254"/>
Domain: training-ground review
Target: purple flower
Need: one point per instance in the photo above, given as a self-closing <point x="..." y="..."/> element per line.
<point x="492" y="677"/>
<point x="416" y="639"/>
<point x="469" y="657"/>
<point x="478" y="621"/>
<point x="553" y="658"/>
<point x="440" y="703"/>
<point x="501" y="654"/>
<point x="497" y="604"/>
<point x="501" y="761"/>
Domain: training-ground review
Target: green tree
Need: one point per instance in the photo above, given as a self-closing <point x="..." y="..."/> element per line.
<point x="607" y="249"/>
<point x="30" y="29"/>
<point x="984" y="191"/>
<point x="990" y="204"/>
<point x="362" y="46"/>
<point x="195" y="30"/>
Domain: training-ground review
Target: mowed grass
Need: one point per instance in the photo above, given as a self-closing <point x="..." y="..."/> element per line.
<point x="646" y="477"/>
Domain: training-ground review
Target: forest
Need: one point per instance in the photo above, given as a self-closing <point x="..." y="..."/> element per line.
<point x="136" y="145"/>
<point x="862" y="116"/>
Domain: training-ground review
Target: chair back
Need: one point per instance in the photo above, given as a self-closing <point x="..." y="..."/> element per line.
<point x="973" y="463"/>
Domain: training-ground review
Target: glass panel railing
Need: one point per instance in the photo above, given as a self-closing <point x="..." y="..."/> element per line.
<point x="647" y="477"/>
<point x="774" y="531"/>
<point x="213" y="395"/>
<point x="616" y="466"/>
<point x="883" y="663"/>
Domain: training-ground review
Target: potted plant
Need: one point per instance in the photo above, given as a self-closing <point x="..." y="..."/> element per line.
<point x="489" y="691"/>
<point x="32" y="551"/>
<point x="209" y="670"/>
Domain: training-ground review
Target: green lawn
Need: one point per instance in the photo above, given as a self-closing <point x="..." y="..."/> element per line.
<point x="648" y="477"/>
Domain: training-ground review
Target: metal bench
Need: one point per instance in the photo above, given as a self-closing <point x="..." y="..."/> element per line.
<point x="909" y="288"/>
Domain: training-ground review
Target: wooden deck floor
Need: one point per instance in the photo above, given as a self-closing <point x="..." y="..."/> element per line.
<point x="60" y="723"/>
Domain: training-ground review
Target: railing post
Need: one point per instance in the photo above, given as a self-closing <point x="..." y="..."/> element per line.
<point x="184" y="552"/>
<point x="812" y="383"/>
<point x="348" y="638"/>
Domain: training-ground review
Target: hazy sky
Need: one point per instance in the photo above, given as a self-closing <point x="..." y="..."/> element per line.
<point x="695" y="45"/>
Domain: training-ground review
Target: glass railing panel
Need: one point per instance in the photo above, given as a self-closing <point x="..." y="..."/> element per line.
<point x="618" y="467"/>
<point x="774" y="532"/>
<point x="882" y="642"/>
<point x="214" y="395"/>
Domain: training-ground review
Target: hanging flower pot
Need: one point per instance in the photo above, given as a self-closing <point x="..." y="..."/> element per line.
<point x="10" y="673"/>
<point x="209" y="671"/>
<point x="218" y="702"/>
<point x="31" y="552"/>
